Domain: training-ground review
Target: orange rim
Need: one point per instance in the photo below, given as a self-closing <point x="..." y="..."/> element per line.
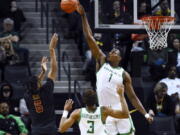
<point x="155" y="22"/>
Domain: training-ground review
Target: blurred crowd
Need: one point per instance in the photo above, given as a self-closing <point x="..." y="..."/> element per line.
<point x="163" y="64"/>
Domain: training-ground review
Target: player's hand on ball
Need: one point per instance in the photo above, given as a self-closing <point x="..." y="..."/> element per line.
<point x="53" y="42"/>
<point x="68" y="104"/>
<point x="120" y="89"/>
<point x="80" y="9"/>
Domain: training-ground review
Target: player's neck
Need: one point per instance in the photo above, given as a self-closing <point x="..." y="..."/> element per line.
<point x="91" y="108"/>
<point x="114" y="65"/>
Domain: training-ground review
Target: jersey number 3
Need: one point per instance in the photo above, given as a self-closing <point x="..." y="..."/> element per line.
<point x="91" y="127"/>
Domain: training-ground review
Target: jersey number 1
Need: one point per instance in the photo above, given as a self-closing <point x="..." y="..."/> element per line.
<point x="91" y="127"/>
<point x="110" y="77"/>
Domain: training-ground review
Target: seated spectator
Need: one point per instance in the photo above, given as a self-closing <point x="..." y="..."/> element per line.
<point x="159" y="103"/>
<point x="143" y="10"/>
<point x="172" y="82"/>
<point x="174" y="55"/>
<point x="10" y="55"/>
<point x="117" y="15"/>
<point x="6" y="93"/>
<point x="17" y="15"/>
<point x="10" y="124"/>
<point x="157" y="61"/>
<point x="164" y="9"/>
<point x="8" y="25"/>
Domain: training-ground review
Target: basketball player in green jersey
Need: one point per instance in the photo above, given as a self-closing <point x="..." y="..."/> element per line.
<point x="109" y="75"/>
<point x="92" y="118"/>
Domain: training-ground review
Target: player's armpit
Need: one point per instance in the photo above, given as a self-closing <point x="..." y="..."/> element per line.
<point x="66" y="123"/>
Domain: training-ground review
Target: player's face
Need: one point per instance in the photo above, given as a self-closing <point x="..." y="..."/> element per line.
<point x="114" y="56"/>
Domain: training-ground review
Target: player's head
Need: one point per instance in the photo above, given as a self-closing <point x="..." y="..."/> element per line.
<point x="4" y="108"/>
<point x="33" y="84"/>
<point x="114" y="56"/>
<point x="160" y="90"/>
<point x="90" y="98"/>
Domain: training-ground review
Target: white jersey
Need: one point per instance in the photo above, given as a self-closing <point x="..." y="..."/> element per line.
<point x="91" y="123"/>
<point x="107" y="80"/>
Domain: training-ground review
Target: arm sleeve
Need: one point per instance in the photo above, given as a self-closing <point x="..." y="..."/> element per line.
<point x="23" y="107"/>
<point x="21" y="125"/>
<point x="2" y="132"/>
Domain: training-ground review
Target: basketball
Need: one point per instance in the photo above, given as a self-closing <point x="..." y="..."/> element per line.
<point x="68" y="6"/>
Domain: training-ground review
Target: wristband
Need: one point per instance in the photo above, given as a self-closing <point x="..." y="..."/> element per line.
<point x="65" y="113"/>
<point x="147" y="115"/>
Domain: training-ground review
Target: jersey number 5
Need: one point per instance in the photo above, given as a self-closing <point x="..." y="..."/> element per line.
<point x="91" y="127"/>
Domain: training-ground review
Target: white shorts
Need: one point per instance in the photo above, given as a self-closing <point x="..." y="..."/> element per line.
<point x="119" y="126"/>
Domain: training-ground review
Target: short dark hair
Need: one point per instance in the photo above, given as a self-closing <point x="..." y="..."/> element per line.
<point x="90" y="97"/>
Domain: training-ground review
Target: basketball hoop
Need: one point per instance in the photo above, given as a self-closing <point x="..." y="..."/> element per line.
<point x="158" y="28"/>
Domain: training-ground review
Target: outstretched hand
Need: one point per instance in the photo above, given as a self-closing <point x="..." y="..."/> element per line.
<point x="68" y="105"/>
<point x="44" y="64"/>
<point x="53" y="42"/>
<point x="80" y="9"/>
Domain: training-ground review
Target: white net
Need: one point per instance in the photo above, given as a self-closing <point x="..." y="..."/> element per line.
<point x="158" y="29"/>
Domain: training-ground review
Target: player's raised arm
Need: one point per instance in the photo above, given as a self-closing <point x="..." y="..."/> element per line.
<point x="43" y="68"/>
<point x="133" y="98"/>
<point x="121" y="113"/>
<point x="97" y="53"/>
<point x="53" y="63"/>
<point x="65" y="122"/>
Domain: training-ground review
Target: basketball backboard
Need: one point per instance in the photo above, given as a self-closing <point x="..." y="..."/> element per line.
<point x="130" y="13"/>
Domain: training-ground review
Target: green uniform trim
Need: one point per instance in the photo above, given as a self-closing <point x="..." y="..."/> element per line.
<point x="21" y="126"/>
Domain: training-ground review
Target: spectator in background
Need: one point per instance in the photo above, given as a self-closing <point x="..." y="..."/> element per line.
<point x="17" y="15"/>
<point x="6" y="95"/>
<point x="143" y="10"/>
<point x="172" y="82"/>
<point x="10" y="124"/>
<point x="174" y="55"/>
<point x="164" y="9"/>
<point x="157" y="60"/>
<point x="159" y="103"/>
<point x="8" y="25"/>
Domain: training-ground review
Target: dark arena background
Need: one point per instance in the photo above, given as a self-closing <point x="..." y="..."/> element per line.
<point x="26" y="28"/>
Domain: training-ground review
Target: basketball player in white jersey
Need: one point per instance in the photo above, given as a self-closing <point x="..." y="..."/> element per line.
<point x="109" y="75"/>
<point x="92" y="118"/>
